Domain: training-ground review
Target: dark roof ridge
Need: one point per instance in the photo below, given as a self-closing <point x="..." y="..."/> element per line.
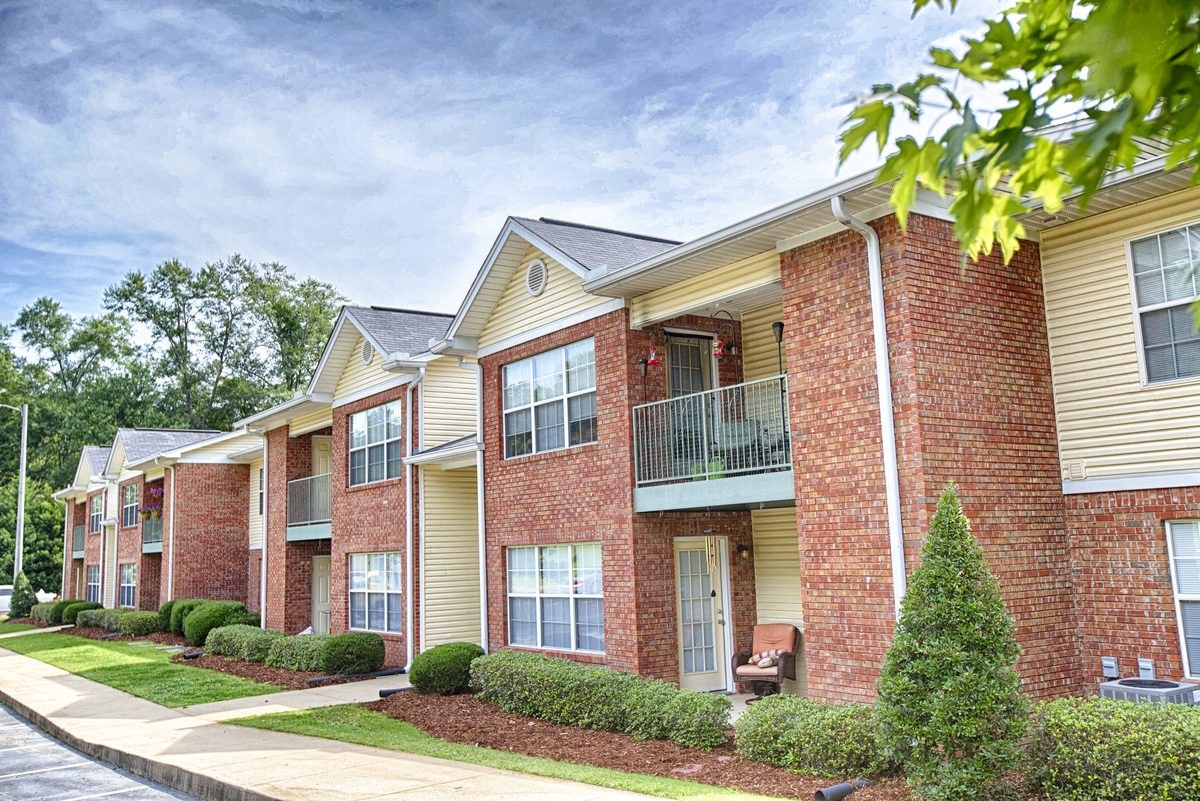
<point x="176" y="430"/>
<point x="403" y="311"/>
<point x="602" y="229"/>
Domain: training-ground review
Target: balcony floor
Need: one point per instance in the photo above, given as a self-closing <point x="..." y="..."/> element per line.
<point x="755" y="491"/>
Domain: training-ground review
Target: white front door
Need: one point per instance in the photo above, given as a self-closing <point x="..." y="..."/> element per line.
<point x="320" y="594"/>
<point x="700" y="569"/>
<point x="322" y="455"/>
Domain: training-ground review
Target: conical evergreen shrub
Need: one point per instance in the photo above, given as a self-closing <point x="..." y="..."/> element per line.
<point x="23" y="597"/>
<point x="950" y="705"/>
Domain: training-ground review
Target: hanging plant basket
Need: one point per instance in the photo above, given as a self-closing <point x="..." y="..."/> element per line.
<point x="145" y="514"/>
<point x="156" y="513"/>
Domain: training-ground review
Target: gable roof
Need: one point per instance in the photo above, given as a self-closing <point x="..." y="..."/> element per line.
<point x="586" y="250"/>
<point x="96" y="457"/>
<point x="395" y="331"/>
<point x="139" y="444"/>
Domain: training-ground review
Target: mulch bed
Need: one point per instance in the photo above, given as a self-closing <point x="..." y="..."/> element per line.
<point x="291" y="679"/>
<point x="28" y="621"/>
<point x="465" y="719"/>
<point x="96" y="633"/>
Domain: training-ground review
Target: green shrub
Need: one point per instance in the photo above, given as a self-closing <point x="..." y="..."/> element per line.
<point x="242" y="641"/>
<point x="56" y="611"/>
<point x="207" y="616"/>
<point x="357" y="652"/>
<point x="179" y="612"/>
<point x="301" y="652"/>
<point x="444" y="669"/>
<point x="71" y="613"/>
<point x="23" y="597"/>
<point x="108" y="619"/>
<point x="811" y="737"/>
<point x="950" y="707"/>
<point x="1099" y="750"/>
<point x="137" y="624"/>
<point x="89" y="618"/>
<point x="164" y="616"/>
<point x="563" y="691"/>
<point x="244" y="619"/>
<point x="41" y="612"/>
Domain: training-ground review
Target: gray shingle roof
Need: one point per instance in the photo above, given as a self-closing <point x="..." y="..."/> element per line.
<point x="142" y="443"/>
<point x="401" y="330"/>
<point x="597" y="249"/>
<point x="97" y="457"/>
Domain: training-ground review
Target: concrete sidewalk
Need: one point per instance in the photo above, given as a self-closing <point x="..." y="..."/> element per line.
<point x="355" y="692"/>
<point x="47" y="630"/>
<point x="187" y="751"/>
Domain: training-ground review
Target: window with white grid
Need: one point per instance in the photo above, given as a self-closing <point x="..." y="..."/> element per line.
<point x="129" y="505"/>
<point x="96" y="513"/>
<point x="128" y="585"/>
<point x="93" y="584"/>
<point x="555" y="597"/>
<point x="1164" y="286"/>
<point x="375" y="444"/>
<point x="550" y="400"/>
<point x="1183" y="544"/>
<point x="375" y="592"/>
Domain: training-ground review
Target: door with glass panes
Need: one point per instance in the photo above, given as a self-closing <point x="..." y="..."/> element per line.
<point x="689" y="373"/>
<point x="701" y="568"/>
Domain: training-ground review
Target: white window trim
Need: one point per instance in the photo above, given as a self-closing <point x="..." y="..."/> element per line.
<point x="399" y="593"/>
<point x="95" y="515"/>
<point x="538" y="596"/>
<point x="1177" y="598"/>
<point x="533" y="403"/>
<point x="89" y="584"/>
<point x="350" y="450"/>
<point x="132" y="586"/>
<point x="129" y="510"/>
<point x="1138" y="311"/>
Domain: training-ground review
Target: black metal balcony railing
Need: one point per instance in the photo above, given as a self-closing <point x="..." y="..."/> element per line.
<point x="722" y="433"/>
<point x="77" y="535"/>
<point x="309" y="501"/>
<point x="152" y="530"/>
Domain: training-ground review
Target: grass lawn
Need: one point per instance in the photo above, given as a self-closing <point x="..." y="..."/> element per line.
<point x="139" y="670"/>
<point x="353" y="724"/>
<point x="7" y="628"/>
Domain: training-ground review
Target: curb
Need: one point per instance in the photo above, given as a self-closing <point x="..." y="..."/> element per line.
<point x="187" y="781"/>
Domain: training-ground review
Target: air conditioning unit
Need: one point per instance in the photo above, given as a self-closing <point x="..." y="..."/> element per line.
<point x="1150" y="691"/>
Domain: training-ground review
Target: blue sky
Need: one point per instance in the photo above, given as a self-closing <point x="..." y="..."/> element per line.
<point x="380" y="145"/>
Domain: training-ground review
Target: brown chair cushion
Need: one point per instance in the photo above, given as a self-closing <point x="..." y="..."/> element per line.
<point x="754" y="672"/>
<point x="771" y="636"/>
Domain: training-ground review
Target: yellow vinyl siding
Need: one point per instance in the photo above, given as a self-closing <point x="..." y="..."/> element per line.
<point x="1106" y="418"/>
<point x="760" y="358"/>
<point x="256" y="520"/>
<point x="517" y="311"/>
<point x="313" y="421"/>
<point x="777" y="577"/>
<point x="448" y="402"/>
<point x="222" y="450"/>
<point x="450" y="546"/>
<point x="357" y="376"/>
<point x="706" y="289"/>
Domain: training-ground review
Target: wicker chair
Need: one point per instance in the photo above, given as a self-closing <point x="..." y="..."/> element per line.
<point x="783" y="637"/>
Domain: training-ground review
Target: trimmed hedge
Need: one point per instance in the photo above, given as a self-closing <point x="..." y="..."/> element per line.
<point x="358" y="652"/>
<point x="71" y="613"/>
<point x="137" y="624"/>
<point x="444" y="669"/>
<point x="244" y="619"/>
<point x="164" y="616"/>
<point x="811" y="737"/>
<point x="98" y="618"/>
<point x="567" y="692"/>
<point x="57" y="609"/>
<point x="301" y="652"/>
<point x="242" y="641"/>
<point x="180" y="611"/>
<point x="1093" y="749"/>
<point x="41" y="612"/>
<point x="207" y="616"/>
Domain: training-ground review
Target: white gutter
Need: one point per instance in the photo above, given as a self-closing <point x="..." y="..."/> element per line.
<point x="408" y="515"/>
<point x="480" y="508"/>
<point x="883" y="382"/>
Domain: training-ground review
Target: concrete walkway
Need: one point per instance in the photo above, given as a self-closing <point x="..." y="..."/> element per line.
<point x="355" y="692"/>
<point x="187" y="751"/>
<point x="47" y="630"/>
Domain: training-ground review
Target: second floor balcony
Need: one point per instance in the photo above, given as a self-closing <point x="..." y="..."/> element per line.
<point x="309" y="508"/>
<point x="725" y="448"/>
<point x="77" y="535"/>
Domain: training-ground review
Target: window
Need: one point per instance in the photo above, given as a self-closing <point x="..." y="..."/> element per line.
<point x="375" y="592"/>
<point x="93" y="583"/>
<point x="555" y="597"/>
<point x="1183" y="543"/>
<point x="1164" y="286"/>
<point x="261" y="492"/>
<point x="129" y="505"/>
<point x="128" y="584"/>
<point x="375" y="444"/>
<point x="550" y="400"/>
<point x="96" y="514"/>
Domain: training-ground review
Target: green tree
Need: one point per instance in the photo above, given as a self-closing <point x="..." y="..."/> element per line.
<point x="950" y="706"/>
<point x="1127" y="72"/>
<point x="297" y="317"/>
<point x="43" y="534"/>
<point x="23" y="598"/>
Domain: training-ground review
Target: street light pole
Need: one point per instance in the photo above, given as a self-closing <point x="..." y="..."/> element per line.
<point x="19" y="545"/>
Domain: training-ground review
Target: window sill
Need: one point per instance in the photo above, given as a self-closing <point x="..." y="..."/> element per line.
<point x="555" y="454"/>
<point x="1171" y="382"/>
<point x="387" y="635"/>
<point x="373" y="485"/>
<point x="548" y="649"/>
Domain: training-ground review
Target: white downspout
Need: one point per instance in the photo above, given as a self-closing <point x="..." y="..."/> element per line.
<point x="170" y="537"/>
<point x="479" y="501"/>
<point x="408" y="513"/>
<point x="883" y="381"/>
<point x="266" y="528"/>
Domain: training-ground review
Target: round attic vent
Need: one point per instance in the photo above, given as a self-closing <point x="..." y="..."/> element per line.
<point x="535" y="277"/>
<point x="367" y="352"/>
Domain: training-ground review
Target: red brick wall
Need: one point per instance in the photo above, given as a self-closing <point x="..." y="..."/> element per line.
<point x="92" y="547"/>
<point x="149" y="582"/>
<point x="253" y="580"/>
<point x="368" y="518"/>
<point x="1123" y="588"/>
<point x="585" y="494"/>
<point x="973" y="405"/>
<point x="129" y="540"/>
<point x="211" y="536"/>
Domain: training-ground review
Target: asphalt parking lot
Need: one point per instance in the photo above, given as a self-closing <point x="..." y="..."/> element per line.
<point x="36" y="767"/>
